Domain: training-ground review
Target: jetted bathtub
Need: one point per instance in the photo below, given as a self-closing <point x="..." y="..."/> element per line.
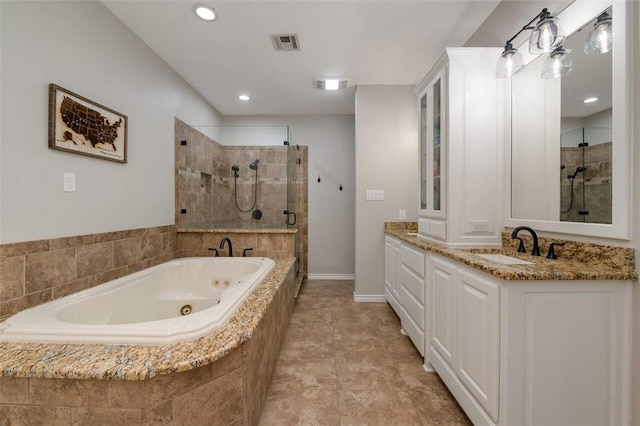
<point x="176" y="301"/>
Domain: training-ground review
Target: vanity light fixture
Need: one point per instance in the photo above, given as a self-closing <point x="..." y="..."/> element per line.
<point x="600" y="39"/>
<point x="546" y="36"/>
<point x="510" y="62"/>
<point x="244" y="97"/>
<point x="557" y="64"/>
<point x="590" y="100"/>
<point x="204" y="12"/>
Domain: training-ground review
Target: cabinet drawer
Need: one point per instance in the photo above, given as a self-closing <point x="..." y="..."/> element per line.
<point x="415" y="334"/>
<point x="412" y="283"/>
<point x="413" y="259"/>
<point x="413" y="307"/>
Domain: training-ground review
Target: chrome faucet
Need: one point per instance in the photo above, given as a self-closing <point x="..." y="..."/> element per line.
<point x="227" y="240"/>
<point x="536" y="248"/>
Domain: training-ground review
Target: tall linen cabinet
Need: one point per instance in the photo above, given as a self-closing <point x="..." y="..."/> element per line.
<point x="461" y="105"/>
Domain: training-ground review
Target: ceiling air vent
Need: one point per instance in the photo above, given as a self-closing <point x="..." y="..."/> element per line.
<point x="285" y="42"/>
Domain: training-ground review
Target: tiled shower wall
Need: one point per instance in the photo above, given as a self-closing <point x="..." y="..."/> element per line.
<point x="597" y="183"/>
<point x="35" y="272"/>
<point x="206" y="187"/>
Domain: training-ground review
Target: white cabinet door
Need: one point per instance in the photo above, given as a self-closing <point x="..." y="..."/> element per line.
<point x="391" y="280"/>
<point x="477" y="334"/>
<point x="443" y="297"/>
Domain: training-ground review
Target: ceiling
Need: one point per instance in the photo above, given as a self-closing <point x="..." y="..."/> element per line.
<point x="368" y="42"/>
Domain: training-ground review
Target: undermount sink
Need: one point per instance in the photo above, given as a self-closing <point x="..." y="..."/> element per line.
<point x="503" y="259"/>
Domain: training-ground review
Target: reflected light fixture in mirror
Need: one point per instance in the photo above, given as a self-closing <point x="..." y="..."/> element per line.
<point x="600" y="39"/>
<point x="546" y="36"/>
<point x="558" y="64"/>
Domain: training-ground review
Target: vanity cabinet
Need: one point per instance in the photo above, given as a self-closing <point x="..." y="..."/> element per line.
<point x="392" y="267"/>
<point x="405" y="288"/>
<point x="460" y="103"/>
<point x="412" y="294"/>
<point x="531" y="352"/>
<point x="465" y="338"/>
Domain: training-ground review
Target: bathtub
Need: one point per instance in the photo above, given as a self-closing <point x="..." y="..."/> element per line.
<point x="176" y="301"/>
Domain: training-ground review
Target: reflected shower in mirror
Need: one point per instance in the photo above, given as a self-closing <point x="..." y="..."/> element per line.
<point x="562" y="142"/>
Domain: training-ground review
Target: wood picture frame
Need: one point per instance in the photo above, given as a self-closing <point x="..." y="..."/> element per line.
<point x="81" y="126"/>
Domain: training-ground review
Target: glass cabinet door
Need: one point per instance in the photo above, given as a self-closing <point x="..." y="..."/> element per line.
<point x="436" y="143"/>
<point x="432" y="142"/>
<point x="423" y="152"/>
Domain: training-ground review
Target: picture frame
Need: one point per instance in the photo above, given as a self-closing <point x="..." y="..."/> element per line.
<point x="82" y="126"/>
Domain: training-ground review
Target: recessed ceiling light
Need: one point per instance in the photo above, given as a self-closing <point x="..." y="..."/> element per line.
<point x="331" y="83"/>
<point x="589" y="100"/>
<point x="204" y="12"/>
<point x="244" y="97"/>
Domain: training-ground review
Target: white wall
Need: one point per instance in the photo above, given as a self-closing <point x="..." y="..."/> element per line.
<point x="82" y="47"/>
<point x="330" y="139"/>
<point x="635" y="361"/>
<point x="387" y="158"/>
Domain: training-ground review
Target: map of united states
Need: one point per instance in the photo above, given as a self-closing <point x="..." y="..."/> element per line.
<point x="89" y="123"/>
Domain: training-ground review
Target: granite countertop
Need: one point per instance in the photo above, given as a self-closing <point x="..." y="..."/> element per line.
<point x="581" y="261"/>
<point x="141" y="362"/>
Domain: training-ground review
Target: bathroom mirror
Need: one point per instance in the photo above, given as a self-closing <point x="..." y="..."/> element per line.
<point x="569" y="161"/>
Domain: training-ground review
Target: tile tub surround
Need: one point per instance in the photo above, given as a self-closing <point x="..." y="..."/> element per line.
<point x="36" y="272"/>
<point x="221" y="378"/>
<point x="579" y="261"/>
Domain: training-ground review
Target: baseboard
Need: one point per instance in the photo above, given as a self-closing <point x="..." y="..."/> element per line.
<point x="334" y="277"/>
<point x="369" y="298"/>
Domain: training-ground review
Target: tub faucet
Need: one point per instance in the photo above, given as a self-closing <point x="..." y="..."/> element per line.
<point x="229" y="244"/>
<point x="536" y="248"/>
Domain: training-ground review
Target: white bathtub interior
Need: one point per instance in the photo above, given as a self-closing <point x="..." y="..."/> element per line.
<point x="175" y="301"/>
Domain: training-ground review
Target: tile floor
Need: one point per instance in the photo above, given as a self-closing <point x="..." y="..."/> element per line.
<point x="346" y="363"/>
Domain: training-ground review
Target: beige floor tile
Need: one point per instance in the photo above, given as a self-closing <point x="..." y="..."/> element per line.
<point x="368" y="314"/>
<point x="346" y="363"/>
<point x="307" y="341"/>
<point x="377" y="408"/>
<point x="311" y="316"/>
<point x="367" y="371"/>
<point x="314" y="407"/>
<point x="299" y="374"/>
<point x="438" y="408"/>
<point x="314" y="301"/>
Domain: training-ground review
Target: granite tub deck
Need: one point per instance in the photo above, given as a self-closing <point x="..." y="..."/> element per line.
<point x="576" y="261"/>
<point x="221" y="378"/>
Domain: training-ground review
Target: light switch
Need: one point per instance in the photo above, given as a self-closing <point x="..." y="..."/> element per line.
<point x="374" y="195"/>
<point x="69" y="182"/>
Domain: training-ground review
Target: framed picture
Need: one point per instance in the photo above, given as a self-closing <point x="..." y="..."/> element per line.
<point x="81" y="126"/>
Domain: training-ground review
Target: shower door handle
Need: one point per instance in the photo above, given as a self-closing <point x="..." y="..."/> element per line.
<point x="288" y="220"/>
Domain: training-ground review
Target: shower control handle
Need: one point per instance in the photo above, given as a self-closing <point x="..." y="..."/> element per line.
<point x="288" y="220"/>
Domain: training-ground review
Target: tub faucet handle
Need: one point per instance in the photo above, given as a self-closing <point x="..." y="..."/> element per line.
<point x="552" y="253"/>
<point x="244" y="252"/>
<point x="214" y="250"/>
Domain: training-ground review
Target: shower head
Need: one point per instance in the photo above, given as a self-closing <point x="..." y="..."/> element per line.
<point x="578" y="170"/>
<point x="254" y="165"/>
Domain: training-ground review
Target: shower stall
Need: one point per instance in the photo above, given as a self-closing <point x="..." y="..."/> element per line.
<point x="585" y="175"/>
<point x="239" y="179"/>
